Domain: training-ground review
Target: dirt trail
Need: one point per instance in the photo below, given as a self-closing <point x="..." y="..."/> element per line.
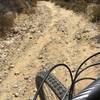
<point x="29" y="57"/>
<point x="64" y="32"/>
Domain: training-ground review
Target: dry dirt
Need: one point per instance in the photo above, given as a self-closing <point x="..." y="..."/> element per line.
<point x="52" y="35"/>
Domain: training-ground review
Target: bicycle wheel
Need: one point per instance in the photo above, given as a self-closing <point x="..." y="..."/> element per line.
<point x="52" y="89"/>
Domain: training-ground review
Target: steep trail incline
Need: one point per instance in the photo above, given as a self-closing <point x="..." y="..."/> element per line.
<point x="67" y="38"/>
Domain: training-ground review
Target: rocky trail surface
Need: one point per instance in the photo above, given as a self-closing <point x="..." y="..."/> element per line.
<point x="52" y="35"/>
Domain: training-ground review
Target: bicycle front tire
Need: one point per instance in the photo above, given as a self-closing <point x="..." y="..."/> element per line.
<point x="54" y="84"/>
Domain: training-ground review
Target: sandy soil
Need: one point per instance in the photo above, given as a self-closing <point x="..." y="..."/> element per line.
<point x="52" y="35"/>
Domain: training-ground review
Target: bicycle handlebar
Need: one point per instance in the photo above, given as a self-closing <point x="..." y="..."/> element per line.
<point x="92" y="92"/>
<point x="95" y="94"/>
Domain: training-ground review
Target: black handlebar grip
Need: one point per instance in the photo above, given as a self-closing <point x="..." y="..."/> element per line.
<point x="91" y="92"/>
<point x="95" y="94"/>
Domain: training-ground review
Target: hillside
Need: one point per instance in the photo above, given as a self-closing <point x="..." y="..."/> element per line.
<point x="49" y="36"/>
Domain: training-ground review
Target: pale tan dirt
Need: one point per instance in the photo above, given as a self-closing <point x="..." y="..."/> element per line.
<point x="67" y="39"/>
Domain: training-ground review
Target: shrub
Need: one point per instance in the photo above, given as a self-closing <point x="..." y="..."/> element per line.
<point x="80" y="6"/>
<point x="8" y="8"/>
<point x="23" y="5"/>
<point x="6" y="23"/>
<point x="93" y="12"/>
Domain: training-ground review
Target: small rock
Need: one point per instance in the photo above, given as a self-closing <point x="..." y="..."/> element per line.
<point x="0" y="80"/>
<point x="26" y="78"/>
<point x="54" y="72"/>
<point x="5" y="72"/>
<point x="2" y="46"/>
<point x="17" y="73"/>
<point x="40" y="57"/>
<point x="30" y="37"/>
<point x="11" y="66"/>
<point x="18" y="49"/>
<point x="30" y="80"/>
<point x="74" y="70"/>
<point x="16" y="94"/>
<point x="15" y="86"/>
